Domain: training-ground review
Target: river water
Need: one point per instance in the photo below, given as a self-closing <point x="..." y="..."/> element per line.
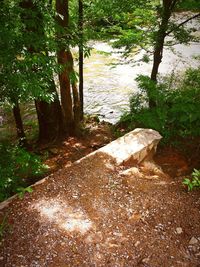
<point x="107" y="89"/>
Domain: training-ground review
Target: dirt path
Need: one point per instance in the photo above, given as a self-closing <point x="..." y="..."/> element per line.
<point x="98" y="214"/>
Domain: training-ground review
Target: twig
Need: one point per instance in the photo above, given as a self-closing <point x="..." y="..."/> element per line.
<point x="182" y="23"/>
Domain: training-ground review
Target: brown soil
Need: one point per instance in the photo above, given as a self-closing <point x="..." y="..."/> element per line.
<point x="98" y="214"/>
<point x="63" y="154"/>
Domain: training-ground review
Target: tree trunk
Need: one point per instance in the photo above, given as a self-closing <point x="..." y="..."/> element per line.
<point x="157" y="59"/>
<point x="19" y="125"/>
<point x="49" y="119"/>
<point x="76" y="99"/>
<point x="62" y="18"/>
<point x="70" y="108"/>
<point x="159" y="42"/>
<point x="80" y="23"/>
<point x="76" y="108"/>
<point x="65" y="92"/>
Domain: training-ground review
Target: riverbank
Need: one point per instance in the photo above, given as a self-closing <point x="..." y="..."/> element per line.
<point x="177" y="159"/>
<point x="96" y="213"/>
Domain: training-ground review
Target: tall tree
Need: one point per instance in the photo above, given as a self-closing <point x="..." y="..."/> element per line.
<point x="165" y="28"/>
<point x="48" y="112"/>
<point x="165" y="13"/>
<point x="19" y="125"/>
<point x="80" y="26"/>
<point x="10" y="45"/>
<point x="67" y="77"/>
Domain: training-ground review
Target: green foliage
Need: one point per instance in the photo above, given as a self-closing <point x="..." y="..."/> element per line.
<point x="135" y="24"/>
<point x="194" y="181"/>
<point x="189" y="5"/>
<point x="21" y="191"/>
<point x="26" y="52"/>
<point x="177" y="109"/>
<point x="16" y="166"/>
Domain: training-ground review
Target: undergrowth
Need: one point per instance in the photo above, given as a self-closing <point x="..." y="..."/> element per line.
<point x="194" y="181"/>
<point x="17" y="166"/>
<point x="176" y="113"/>
<point x="193" y="5"/>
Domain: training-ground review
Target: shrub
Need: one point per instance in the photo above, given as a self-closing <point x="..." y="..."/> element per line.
<point x="193" y="5"/>
<point x="16" y="167"/>
<point x="194" y="182"/>
<point x="176" y="112"/>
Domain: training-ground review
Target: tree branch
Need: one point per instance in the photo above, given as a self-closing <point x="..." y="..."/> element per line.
<point x="173" y="4"/>
<point x="182" y="23"/>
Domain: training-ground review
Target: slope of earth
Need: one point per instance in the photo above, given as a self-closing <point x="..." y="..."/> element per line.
<point x="95" y="213"/>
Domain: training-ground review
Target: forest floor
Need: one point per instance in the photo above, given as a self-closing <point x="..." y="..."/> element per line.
<point x="97" y="214"/>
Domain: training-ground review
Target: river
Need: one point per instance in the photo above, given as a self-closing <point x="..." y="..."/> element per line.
<point x="107" y="89"/>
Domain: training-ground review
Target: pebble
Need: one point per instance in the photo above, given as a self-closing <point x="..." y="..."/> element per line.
<point x="193" y="241"/>
<point x="145" y="260"/>
<point x="137" y="243"/>
<point x="179" y="230"/>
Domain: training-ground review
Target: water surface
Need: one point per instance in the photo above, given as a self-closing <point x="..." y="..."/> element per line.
<point x="107" y="89"/>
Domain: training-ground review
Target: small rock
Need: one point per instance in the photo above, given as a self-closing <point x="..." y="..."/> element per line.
<point x="137" y="243"/>
<point x="1" y="258"/>
<point x="193" y="241"/>
<point x="112" y="245"/>
<point x="145" y="260"/>
<point x="179" y="230"/>
<point x="193" y="249"/>
<point x="132" y="172"/>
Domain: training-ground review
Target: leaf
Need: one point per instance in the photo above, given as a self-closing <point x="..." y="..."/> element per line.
<point x="22" y="191"/>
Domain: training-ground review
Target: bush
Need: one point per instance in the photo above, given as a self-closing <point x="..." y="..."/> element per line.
<point x="193" y="5"/>
<point x="16" y="167"/>
<point x="176" y="112"/>
<point x="194" y="182"/>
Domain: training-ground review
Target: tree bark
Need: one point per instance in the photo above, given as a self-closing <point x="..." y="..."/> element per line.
<point x="68" y="88"/>
<point x="62" y="18"/>
<point x="168" y="5"/>
<point x="50" y="119"/>
<point x="76" y="99"/>
<point x="80" y="24"/>
<point x="19" y="125"/>
<point x="160" y="38"/>
<point x="65" y="92"/>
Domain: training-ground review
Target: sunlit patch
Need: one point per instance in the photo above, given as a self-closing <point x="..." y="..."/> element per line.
<point x="64" y="216"/>
<point x="75" y="224"/>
